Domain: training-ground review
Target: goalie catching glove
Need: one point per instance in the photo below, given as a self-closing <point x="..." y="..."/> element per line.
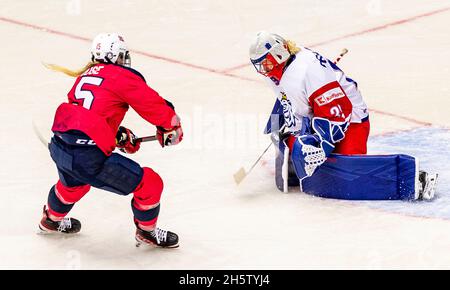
<point x="311" y="150"/>
<point x="126" y="141"/>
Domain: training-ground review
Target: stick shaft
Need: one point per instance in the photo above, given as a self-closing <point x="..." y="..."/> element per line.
<point x="259" y="158"/>
<point x="343" y="52"/>
<point x="147" y="138"/>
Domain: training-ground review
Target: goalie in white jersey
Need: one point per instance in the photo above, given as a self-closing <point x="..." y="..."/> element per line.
<point x="309" y="85"/>
<point x="323" y="113"/>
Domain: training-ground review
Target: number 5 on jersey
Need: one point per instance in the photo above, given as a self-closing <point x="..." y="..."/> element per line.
<point x="86" y="95"/>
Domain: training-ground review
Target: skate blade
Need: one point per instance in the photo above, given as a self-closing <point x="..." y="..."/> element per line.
<point x="141" y="243"/>
<point x="45" y="232"/>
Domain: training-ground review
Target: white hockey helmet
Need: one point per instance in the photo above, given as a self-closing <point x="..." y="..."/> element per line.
<point x="268" y="45"/>
<point x="109" y="47"/>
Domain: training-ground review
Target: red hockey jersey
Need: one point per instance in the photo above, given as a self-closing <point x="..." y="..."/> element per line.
<point x="99" y="99"/>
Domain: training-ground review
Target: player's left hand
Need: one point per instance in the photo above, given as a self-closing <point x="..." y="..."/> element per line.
<point x="126" y="141"/>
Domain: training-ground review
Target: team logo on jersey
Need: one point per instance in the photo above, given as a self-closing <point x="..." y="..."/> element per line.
<point x="329" y="96"/>
<point x="289" y="117"/>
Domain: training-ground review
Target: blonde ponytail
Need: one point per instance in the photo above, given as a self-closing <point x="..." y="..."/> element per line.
<point x="69" y="72"/>
<point x="292" y="47"/>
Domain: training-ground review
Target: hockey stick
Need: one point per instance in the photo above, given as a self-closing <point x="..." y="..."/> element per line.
<point x="40" y="136"/>
<point x="343" y="52"/>
<point x="46" y="143"/>
<point x="241" y="174"/>
<point x="147" y="138"/>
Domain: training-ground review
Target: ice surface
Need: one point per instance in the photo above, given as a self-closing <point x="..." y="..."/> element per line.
<point x="194" y="53"/>
<point x="431" y="146"/>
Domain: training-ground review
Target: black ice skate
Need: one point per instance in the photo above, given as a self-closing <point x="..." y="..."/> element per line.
<point x="65" y="226"/>
<point x="157" y="237"/>
<point x="427" y="185"/>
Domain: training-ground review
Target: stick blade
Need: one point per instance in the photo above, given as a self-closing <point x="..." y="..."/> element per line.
<point x="239" y="175"/>
<point x="39" y="135"/>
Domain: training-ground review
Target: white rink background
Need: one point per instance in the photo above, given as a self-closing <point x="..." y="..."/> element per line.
<point x="192" y="53"/>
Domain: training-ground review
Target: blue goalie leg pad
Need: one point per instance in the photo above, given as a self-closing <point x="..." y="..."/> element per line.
<point x="357" y="177"/>
<point x="365" y="177"/>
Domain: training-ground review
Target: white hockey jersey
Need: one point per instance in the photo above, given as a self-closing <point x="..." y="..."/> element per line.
<point x="313" y="86"/>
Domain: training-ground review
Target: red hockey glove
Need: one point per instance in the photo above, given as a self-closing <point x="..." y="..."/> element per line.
<point x="126" y="141"/>
<point x="168" y="137"/>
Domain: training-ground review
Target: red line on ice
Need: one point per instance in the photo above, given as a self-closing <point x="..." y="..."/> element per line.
<point x="228" y="72"/>
<point x="373" y="29"/>
<point x="401" y="117"/>
<point x="150" y="55"/>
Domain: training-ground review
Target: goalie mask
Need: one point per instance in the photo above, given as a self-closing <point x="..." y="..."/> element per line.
<point x="110" y="48"/>
<point x="268" y="54"/>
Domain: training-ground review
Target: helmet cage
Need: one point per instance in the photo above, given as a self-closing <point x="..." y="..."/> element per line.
<point x="125" y="57"/>
<point x="265" y="64"/>
<point x="276" y="53"/>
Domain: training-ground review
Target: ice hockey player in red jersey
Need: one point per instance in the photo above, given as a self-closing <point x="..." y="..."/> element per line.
<point x="322" y="108"/>
<point x="87" y="130"/>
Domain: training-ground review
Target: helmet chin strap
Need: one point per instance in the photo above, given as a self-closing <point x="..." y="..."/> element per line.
<point x="127" y="59"/>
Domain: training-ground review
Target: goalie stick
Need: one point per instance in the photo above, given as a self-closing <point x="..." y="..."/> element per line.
<point x="241" y="173"/>
<point x="343" y="52"/>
